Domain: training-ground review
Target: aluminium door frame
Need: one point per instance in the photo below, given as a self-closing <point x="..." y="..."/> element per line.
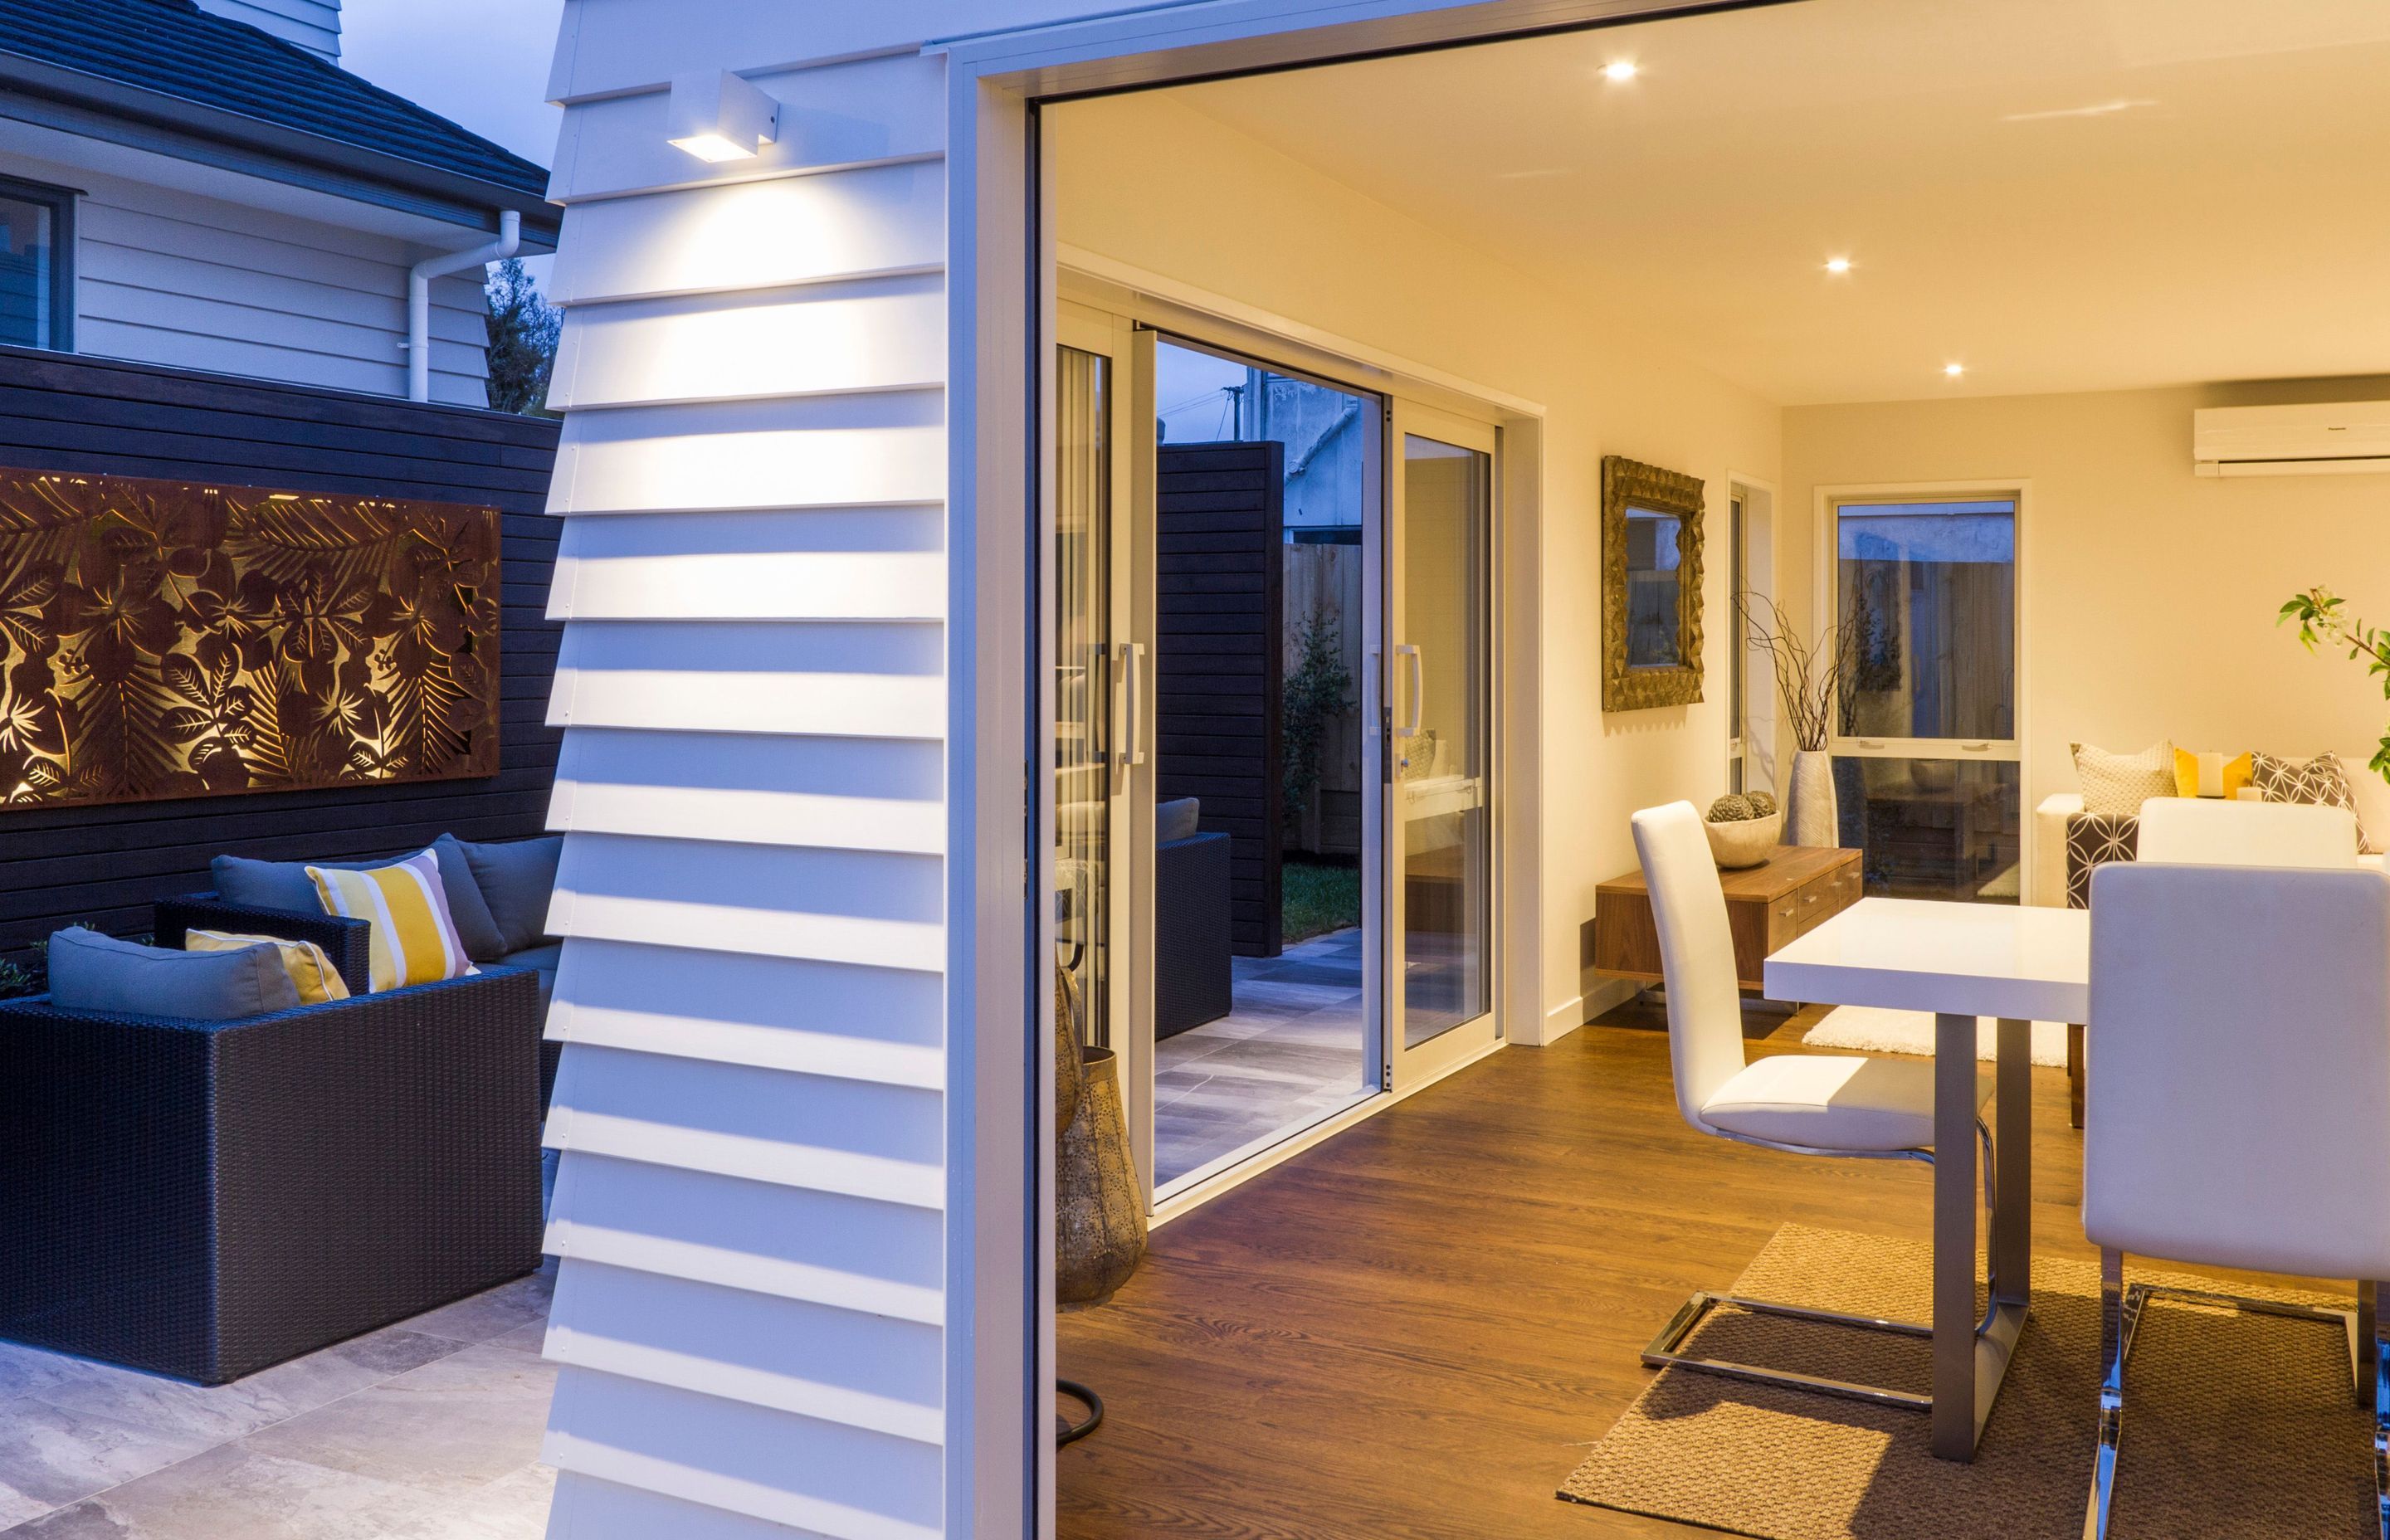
<point x="1001" y="270"/>
<point x="1464" y="1042"/>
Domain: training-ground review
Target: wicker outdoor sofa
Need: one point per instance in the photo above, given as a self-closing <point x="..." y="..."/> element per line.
<point x="206" y="1199"/>
<point x="345" y="941"/>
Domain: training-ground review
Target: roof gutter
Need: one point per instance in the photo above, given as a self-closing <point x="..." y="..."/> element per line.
<point x="97" y="108"/>
<point x="419" y="297"/>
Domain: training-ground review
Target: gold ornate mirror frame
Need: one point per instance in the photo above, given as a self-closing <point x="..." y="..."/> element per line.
<point x="1628" y="484"/>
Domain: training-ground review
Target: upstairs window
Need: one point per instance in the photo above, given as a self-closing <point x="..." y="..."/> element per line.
<point x="36" y="259"/>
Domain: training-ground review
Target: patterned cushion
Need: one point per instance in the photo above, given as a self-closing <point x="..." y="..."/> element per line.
<point x="2321" y="781"/>
<point x="2119" y="784"/>
<point x="311" y="972"/>
<point x="2092" y="840"/>
<point x="413" y="940"/>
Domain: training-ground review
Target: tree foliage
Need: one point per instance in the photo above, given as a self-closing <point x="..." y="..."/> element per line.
<point x="1317" y="688"/>
<point x="523" y="331"/>
<point x="2320" y="612"/>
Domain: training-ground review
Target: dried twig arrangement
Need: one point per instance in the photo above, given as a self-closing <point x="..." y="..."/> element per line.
<point x="1811" y="680"/>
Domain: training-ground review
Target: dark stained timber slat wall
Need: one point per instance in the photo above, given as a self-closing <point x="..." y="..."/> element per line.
<point x="104" y="865"/>
<point x="1219" y="658"/>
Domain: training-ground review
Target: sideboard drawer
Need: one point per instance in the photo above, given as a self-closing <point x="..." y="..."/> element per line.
<point x="1822" y="898"/>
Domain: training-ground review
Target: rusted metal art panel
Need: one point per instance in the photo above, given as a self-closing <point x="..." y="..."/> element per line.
<point x="162" y="638"/>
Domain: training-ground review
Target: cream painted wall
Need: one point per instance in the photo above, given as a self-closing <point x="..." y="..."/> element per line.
<point x="2149" y="592"/>
<point x="1148" y="181"/>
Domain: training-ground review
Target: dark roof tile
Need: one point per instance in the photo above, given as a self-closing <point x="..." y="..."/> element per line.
<point x="175" y="49"/>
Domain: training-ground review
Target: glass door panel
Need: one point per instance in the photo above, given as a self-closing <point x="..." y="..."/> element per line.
<point x="1929" y="773"/>
<point x="1440" y="692"/>
<point x="1083" y="685"/>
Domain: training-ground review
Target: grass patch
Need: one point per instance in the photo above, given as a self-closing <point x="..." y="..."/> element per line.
<point x="1318" y="897"/>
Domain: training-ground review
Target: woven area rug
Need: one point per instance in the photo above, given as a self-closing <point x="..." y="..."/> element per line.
<point x="2236" y="1427"/>
<point x="1872" y="1029"/>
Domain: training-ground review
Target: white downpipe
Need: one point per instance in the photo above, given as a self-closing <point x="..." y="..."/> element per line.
<point x="419" y="297"/>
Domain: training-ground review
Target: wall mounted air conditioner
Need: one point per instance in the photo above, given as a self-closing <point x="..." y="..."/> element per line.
<point x="2336" y="439"/>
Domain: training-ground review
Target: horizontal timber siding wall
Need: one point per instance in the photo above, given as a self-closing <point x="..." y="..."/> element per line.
<point x="1218" y="655"/>
<point x="103" y="865"/>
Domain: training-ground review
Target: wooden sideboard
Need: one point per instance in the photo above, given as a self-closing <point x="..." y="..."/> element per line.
<point x="1766" y="906"/>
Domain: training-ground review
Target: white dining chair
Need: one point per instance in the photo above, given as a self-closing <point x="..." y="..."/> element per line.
<point x="1804" y="1104"/>
<point x="2205" y="831"/>
<point x="2210" y="1143"/>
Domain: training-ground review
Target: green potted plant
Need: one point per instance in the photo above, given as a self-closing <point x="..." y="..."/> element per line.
<point x="2322" y="618"/>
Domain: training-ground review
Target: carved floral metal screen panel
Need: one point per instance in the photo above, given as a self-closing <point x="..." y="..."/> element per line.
<point x="171" y="639"/>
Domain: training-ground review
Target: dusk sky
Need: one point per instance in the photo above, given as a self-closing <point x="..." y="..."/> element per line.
<point x="483" y="63"/>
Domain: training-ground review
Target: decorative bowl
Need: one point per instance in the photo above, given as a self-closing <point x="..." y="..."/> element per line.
<point x="1744" y="842"/>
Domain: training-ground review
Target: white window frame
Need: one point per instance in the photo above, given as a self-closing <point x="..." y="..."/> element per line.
<point x="1825" y="566"/>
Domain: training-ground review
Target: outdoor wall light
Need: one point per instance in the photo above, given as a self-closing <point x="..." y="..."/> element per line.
<point x="716" y="116"/>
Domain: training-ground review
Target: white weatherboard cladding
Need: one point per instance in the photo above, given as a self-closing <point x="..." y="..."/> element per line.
<point x="873" y="109"/>
<point x="833" y="793"/>
<point x="171" y="277"/>
<point x="751" y="1105"/>
<point x="885" y="332"/>
<point x="877" y="221"/>
<point x="880" y="446"/>
<point x="828" y="564"/>
<point x="314" y="25"/>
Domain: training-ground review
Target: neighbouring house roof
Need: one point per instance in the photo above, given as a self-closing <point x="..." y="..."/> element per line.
<point x="184" y="70"/>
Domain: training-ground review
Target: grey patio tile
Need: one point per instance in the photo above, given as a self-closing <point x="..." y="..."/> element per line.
<point x="235" y="1492"/>
<point x="454" y="1424"/>
<point x="493" y="1314"/>
<point x="214" y="1414"/>
<point x="52" y="1456"/>
<point x="512" y="1507"/>
<point x="531" y="1339"/>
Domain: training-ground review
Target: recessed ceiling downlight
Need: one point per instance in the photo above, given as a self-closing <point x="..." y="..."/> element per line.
<point x="1619" y="69"/>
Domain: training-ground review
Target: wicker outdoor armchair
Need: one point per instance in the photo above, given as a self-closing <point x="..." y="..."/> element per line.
<point x="347" y="941"/>
<point x="206" y="1199"/>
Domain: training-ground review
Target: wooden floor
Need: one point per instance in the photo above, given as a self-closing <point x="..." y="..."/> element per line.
<point x="1416" y="1329"/>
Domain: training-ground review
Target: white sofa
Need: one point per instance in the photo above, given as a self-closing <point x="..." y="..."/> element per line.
<point x="2049" y="827"/>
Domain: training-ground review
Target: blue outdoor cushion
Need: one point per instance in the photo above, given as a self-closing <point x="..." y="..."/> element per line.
<point x="90" y="971"/>
<point x="248" y="884"/>
<point x="467" y="907"/>
<point x="517" y="878"/>
<point x="1176" y="819"/>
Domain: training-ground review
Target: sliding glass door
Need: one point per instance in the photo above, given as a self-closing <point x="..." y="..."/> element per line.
<point x="1438" y="750"/>
<point x="1929" y="768"/>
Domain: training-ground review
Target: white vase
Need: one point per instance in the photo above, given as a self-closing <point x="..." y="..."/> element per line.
<point x="1810" y="816"/>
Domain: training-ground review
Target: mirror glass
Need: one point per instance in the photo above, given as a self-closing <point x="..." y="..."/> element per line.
<point x="1653" y="620"/>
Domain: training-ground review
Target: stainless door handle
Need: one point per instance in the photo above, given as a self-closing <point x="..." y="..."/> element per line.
<point x="1419" y="687"/>
<point x="1133" y="671"/>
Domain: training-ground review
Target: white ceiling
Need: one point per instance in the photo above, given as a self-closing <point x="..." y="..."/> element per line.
<point x="2062" y="194"/>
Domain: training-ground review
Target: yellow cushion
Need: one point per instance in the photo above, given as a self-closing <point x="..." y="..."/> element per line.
<point x="318" y="982"/>
<point x="2211" y="775"/>
<point x="414" y="941"/>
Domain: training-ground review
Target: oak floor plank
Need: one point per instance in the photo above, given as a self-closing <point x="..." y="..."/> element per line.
<point x="1414" y="1331"/>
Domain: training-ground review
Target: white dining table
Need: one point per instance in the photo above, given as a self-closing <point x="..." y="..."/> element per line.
<point x="1960" y="961"/>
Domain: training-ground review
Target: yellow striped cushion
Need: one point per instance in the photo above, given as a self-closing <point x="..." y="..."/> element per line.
<point x="318" y="979"/>
<point x="413" y="941"/>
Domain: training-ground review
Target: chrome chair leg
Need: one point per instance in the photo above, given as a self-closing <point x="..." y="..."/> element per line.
<point x="1662" y="1352"/>
<point x="2121" y="1307"/>
<point x="2120" y="1310"/>
<point x="2369" y="1296"/>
